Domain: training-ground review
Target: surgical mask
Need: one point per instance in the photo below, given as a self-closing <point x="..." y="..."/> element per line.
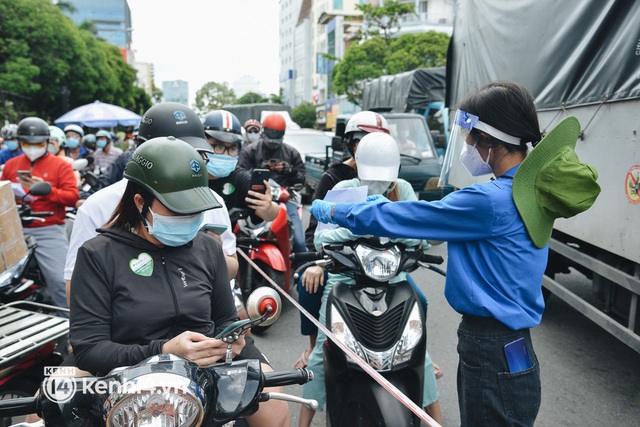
<point x="472" y="161"/>
<point x="174" y="230"/>
<point x="253" y="137"/>
<point x="72" y="143"/>
<point x="53" y="149"/>
<point x="376" y="187"/>
<point x="221" y="165"/>
<point x="11" y="145"/>
<point x="34" y="153"/>
<point x="273" y="145"/>
<point x="101" y="143"/>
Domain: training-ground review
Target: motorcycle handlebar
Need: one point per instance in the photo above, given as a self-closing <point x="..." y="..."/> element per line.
<point x="47" y="213"/>
<point x="305" y="256"/>
<point x="18" y="406"/>
<point x="431" y="259"/>
<point x="281" y="378"/>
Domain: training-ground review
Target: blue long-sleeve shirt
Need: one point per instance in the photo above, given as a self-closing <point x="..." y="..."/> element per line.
<point x="494" y="269"/>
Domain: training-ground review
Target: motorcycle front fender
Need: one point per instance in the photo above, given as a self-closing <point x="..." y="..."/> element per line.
<point x="271" y="255"/>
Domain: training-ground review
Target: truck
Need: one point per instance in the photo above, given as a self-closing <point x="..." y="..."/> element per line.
<point x="410" y="102"/>
<point x="580" y="59"/>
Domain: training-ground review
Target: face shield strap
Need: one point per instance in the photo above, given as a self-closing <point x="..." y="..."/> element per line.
<point x="496" y="133"/>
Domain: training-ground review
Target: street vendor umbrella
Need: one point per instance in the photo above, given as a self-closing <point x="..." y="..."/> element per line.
<point x="99" y="114"/>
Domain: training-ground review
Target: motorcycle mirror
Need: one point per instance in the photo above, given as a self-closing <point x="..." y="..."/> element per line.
<point x="336" y="143"/>
<point x="40" y="189"/>
<point x="79" y="164"/>
<point x="259" y="302"/>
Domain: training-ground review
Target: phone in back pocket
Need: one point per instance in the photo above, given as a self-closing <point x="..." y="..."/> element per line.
<point x="518" y="357"/>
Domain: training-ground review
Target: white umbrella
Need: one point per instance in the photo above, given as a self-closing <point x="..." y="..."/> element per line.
<point x="99" y="114"/>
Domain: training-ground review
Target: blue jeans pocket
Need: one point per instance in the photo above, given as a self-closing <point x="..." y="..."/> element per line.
<point x="521" y="394"/>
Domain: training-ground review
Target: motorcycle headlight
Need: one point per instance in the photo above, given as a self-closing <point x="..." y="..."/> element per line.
<point x="379" y="265"/>
<point x="343" y="333"/>
<point x="155" y="400"/>
<point x="410" y="336"/>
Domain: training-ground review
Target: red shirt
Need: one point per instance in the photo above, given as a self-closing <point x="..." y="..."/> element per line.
<point x="59" y="173"/>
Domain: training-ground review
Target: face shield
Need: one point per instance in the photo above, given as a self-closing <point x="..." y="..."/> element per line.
<point x="453" y="171"/>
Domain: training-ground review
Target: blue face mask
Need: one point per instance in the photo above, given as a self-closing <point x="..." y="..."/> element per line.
<point x="175" y="230"/>
<point x="72" y="143"/>
<point x="11" y="145"/>
<point x="101" y="143"/>
<point x="221" y="165"/>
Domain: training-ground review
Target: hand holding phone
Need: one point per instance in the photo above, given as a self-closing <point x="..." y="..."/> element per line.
<point x="24" y="174"/>
<point x="258" y="176"/>
<point x="214" y="228"/>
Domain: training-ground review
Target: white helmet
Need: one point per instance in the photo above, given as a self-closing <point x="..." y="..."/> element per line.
<point x="360" y="124"/>
<point x="74" y="128"/>
<point x="378" y="158"/>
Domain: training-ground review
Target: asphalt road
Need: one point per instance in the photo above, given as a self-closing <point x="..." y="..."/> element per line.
<point x="589" y="378"/>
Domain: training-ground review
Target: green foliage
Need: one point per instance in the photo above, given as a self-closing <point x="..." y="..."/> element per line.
<point x="212" y="96"/>
<point x="384" y="20"/>
<point x="277" y="99"/>
<point x="251" y="98"/>
<point x="304" y="114"/>
<point x="374" y="58"/>
<point x="42" y="52"/>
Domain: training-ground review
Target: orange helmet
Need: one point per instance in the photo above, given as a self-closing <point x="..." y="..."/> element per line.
<point x="273" y="127"/>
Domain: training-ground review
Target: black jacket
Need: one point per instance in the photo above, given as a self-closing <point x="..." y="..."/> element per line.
<point x="129" y="297"/>
<point x="254" y="155"/>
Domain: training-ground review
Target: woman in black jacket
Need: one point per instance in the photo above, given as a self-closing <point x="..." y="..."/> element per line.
<point x="150" y="283"/>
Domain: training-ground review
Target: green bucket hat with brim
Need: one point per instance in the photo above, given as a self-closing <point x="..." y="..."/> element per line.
<point x="552" y="182"/>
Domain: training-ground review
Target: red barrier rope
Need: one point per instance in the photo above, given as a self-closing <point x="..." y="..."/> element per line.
<point x="368" y="369"/>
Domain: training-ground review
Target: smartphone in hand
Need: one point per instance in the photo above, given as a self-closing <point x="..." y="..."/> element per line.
<point x="257" y="178"/>
<point x="24" y="174"/>
<point x="214" y="228"/>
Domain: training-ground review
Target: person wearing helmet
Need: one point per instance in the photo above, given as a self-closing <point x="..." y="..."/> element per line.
<point x="312" y="279"/>
<point x="105" y="153"/>
<point x="98" y="208"/>
<point x="89" y="141"/>
<point x="73" y="147"/>
<point x="33" y="134"/>
<point x="252" y="129"/>
<point x="153" y="239"/>
<point x="9" y="134"/>
<point x="233" y="184"/>
<point x="285" y="164"/>
<point x="378" y="163"/>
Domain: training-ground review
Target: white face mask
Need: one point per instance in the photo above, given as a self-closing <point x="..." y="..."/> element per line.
<point x="376" y="187"/>
<point x="253" y="137"/>
<point x="472" y="161"/>
<point x="32" y="152"/>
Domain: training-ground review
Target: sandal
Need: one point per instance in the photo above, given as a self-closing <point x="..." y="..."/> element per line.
<point x="303" y="361"/>
<point x="437" y="371"/>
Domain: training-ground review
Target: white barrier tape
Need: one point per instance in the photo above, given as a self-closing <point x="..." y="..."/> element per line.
<point x="368" y="369"/>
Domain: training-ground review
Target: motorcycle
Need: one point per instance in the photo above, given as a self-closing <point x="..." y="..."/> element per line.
<point x="23" y="281"/>
<point x="383" y="323"/>
<point x="268" y="244"/>
<point x="27" y="348"/>
<point x="167" y="389"/>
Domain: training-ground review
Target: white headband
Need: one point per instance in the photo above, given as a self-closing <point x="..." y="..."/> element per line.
<point x="496" y="133"/>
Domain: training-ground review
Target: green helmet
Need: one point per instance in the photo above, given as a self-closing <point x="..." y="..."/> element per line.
<point x="174" y="172"/>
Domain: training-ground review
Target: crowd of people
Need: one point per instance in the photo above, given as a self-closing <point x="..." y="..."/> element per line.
<point x="137" y="242"/>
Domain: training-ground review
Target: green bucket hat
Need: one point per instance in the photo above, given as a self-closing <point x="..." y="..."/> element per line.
<point x="174" y="172"/>
<point x="552" y="183"/>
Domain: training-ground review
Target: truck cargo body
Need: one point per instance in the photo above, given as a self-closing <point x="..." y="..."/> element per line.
<point x="579" y="58"/>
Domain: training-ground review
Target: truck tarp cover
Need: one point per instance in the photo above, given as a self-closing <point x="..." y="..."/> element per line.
<point x="405" y="91"/>
<point x="565" y="52"/>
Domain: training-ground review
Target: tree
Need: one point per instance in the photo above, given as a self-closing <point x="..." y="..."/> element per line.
<point x="304" y="115"/>
<point x="46" y="60"/>
<point x="251" y="98"/>
<point x="374" y="58"/>
<point x="384" y="20"/>
<point x="212" y="96"/>
<point x="156" y="94"/>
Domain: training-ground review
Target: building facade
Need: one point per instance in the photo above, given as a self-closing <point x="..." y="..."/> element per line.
<point x="175" y="91"/>
<point x="112" y="20"/>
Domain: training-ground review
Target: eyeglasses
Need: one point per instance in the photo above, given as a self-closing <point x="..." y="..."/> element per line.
<point x="233" y="150"/>
<point x="479" y="137"/>
<point x="253" y="131"/>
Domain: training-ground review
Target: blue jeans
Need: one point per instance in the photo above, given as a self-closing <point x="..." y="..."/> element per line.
<point x="488" y="395"/>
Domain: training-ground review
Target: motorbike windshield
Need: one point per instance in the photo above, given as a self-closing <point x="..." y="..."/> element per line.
<point x="412" y="136"/>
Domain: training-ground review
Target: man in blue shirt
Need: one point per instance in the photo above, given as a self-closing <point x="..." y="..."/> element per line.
<point x="497" y="234"/>
<point x="9" y="134"/>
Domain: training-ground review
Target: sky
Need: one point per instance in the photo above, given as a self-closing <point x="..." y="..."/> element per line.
<point x="208" y="40"/>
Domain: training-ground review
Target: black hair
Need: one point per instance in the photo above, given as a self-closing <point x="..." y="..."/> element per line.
<point x="126" y="215"/>
<point x="506" y="106"/>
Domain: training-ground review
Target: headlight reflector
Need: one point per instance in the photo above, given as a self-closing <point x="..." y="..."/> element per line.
<point x="379" y="265"/>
